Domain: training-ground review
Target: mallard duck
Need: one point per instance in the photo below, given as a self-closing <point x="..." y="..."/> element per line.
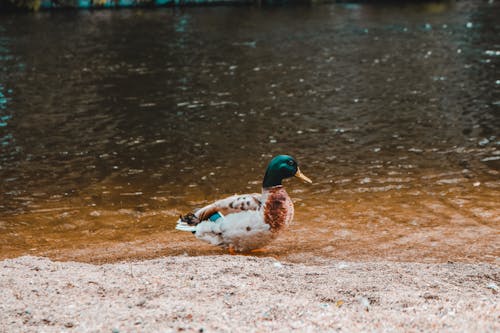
<point x="243" y="223"/>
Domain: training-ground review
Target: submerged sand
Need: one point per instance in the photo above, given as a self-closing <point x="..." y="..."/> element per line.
<point x="247" y="294"/>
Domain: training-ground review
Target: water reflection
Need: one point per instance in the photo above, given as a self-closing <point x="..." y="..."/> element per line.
<point x="124" y="119"/>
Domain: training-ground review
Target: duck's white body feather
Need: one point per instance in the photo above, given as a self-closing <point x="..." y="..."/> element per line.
<point x="244" y="231"/>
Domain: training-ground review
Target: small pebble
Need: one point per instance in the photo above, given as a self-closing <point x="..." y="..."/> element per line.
<point x="342" y="265"/>
<point x="365" y="303"/>
<point x="493" y="286"/>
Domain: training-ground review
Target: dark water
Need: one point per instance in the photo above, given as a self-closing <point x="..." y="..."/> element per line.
<point x="114" y="122"/>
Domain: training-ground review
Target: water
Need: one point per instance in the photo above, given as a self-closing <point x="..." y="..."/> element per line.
<point x="115" y="122"/>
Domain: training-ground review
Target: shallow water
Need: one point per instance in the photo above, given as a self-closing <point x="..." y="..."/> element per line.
<point x="115" y="122"/>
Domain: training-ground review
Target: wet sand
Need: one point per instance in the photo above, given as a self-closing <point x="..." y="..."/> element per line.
<point x="243" y="293"/>
<point x="446" y="223"/>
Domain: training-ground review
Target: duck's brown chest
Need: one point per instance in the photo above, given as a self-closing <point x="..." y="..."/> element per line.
<point x="278" y="208"/>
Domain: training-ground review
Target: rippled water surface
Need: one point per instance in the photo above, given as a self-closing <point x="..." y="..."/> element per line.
<point x="112" y="123"/>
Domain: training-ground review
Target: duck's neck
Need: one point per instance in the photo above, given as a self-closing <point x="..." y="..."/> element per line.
<point x="271" y="189"/>
<point x="271" y="179"/>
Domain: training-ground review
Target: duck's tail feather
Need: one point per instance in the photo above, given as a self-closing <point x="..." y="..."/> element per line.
<point x="187" y="222"/>
<point x="183" y="226"/>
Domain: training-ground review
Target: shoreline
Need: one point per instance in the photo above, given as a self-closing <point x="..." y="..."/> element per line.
<point x="226" y="293"/>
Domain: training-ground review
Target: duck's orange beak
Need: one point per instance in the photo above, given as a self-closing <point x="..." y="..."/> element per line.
<point x="300" y="175"/>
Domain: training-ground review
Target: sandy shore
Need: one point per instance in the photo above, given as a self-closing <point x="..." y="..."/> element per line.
<point x="247" y="294"/>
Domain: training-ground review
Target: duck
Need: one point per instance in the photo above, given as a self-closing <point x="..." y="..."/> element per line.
<point x="248" y="222"/>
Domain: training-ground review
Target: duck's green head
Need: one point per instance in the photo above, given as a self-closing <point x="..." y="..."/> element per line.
<point x="281" y="167"/>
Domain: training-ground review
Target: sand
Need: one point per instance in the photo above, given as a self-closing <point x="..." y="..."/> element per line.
<point x="247" y="294"/>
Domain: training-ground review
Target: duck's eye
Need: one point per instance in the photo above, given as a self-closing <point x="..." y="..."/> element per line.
<point x="290" y="163"/>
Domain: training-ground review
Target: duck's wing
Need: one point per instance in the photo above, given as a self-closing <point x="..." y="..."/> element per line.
<point x="232" y="204"/>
